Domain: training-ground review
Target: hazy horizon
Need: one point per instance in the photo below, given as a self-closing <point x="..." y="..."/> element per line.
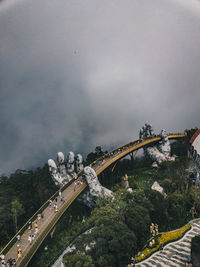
<point x="77" y="74"/>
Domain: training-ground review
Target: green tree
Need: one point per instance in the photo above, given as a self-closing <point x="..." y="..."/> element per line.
<point x="138" y="220"/>
<point x="17" y="210"/>
<point x="177" y="209"/>
<point x="78" y="260"/>
<point x="195" y="197"/>
<point x="114" y="243"/>
<point x="158" y="212"/>
<point x="111" y="241"/>
<point x="95" y="155"/>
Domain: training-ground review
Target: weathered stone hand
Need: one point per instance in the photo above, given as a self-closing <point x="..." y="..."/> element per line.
<point x="96" y="189"/>
<point x="158" y="153"/>
<point x="64" y="171"/>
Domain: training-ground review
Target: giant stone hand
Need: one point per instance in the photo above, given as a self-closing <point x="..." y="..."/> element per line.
<point x="158" y="153"/>
<point x="96" y="189"/>
<point x="79" y="163"/>
<point x="65" y="171"/>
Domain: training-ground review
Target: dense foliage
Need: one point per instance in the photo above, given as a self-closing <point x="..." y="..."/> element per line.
<point x="111" y="239"/>
<point x="92" y="156"/>
<point x="128" y="216"/>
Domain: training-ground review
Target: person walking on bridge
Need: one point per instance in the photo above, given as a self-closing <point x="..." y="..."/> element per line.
<point x="30" y="227"/>
<point x="36" y="227"/>
<point x="18" y="238"/>
<point x="75" y="184"/>
<point x="30" y="239"/>
<point x="19" y="253"/>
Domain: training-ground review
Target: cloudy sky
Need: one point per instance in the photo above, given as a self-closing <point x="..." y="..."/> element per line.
<point x="80" y="73"/>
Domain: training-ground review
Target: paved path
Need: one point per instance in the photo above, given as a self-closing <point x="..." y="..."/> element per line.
<point x="49" y="213"/>
<point x="174" y="254"/>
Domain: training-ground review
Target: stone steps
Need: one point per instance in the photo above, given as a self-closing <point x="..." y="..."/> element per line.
<point x="174" y="254"/>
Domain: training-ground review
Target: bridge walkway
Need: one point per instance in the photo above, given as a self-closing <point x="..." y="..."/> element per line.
<point x="51" y="217"/>
<point x="43" y="223"/>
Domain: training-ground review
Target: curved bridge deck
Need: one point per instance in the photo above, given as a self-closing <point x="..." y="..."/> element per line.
<point x="70" y="193"/>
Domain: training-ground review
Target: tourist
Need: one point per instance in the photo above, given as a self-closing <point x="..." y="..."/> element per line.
<point x="30" y="239"/>
<point x="156" y="229"/>
<point x="9" y="262"/>
<point x="18" y="238"/>
<point x="36" y="227"/>
<point x="33" y="237"/>
<point x="30" y="227"/>
<point x="60" y="193"/>
<point x="19" y="253"/>
<point x="75" y="183"/>
<point x="55" y="207"/>
<point x="3" y="262"/>
<point x="2" y="257"/>
<point x="14" y="263"/>
<point x="50" y="202"/>
<point x="161" y="247"/>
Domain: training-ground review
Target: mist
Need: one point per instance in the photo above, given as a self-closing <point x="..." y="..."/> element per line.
<point x="77" y="74"/>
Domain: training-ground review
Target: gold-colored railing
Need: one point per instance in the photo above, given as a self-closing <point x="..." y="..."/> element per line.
<point x="99" y="165"/>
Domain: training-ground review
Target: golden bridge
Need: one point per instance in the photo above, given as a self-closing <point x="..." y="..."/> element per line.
<point x="70" y="192"/>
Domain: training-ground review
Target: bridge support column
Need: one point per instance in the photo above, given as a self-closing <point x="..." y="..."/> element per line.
<point x="132" y="156"/>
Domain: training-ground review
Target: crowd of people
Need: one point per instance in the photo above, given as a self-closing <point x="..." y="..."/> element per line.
<point x="33" y="230"/>
<point x="78" y="182"/>
<point x="9" y="263"/>
<point x="99" y="162"/>
<point x="153" y="229"/>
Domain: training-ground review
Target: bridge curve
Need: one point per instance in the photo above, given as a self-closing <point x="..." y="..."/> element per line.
<point x="70" y="193"/>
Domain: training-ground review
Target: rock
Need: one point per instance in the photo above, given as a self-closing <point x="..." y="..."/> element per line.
<point x="157" y="187"/>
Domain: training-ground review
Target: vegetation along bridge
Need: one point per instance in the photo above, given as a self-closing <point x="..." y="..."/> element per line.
<point x="70" y="192"/>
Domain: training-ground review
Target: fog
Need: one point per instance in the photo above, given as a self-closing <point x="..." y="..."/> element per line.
<point x="76" y="74"/>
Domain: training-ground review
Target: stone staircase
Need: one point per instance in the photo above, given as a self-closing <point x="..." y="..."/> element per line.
<point x="176" y="253"/>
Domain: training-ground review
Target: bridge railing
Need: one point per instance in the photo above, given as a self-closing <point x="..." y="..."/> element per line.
<point x="114" y="152"/>
<point x="127" y="146"/>
<point x="118" y="150"/>
<point x="107" y="155"/>
<point x="27" y="224"/>
<point x="54" y="220"/>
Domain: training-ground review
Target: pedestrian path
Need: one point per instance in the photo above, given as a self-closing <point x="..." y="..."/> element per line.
<point x="176" y="253"/>
<point x="50" y="213"/>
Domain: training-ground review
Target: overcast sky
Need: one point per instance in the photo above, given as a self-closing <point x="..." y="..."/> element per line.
<point x="80" y="73"/>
